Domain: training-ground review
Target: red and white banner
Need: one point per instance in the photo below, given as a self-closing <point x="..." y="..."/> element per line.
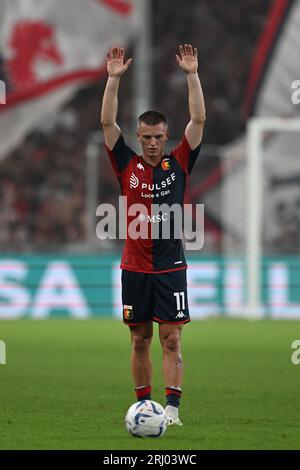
<point x="49" y="48"/>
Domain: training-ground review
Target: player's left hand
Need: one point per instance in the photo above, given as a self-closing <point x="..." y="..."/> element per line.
<point x="188" y="59"/>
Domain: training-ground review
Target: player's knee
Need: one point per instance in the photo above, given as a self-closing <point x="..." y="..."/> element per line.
<point x="171" y="343"/>
<point x="141" y="343"/>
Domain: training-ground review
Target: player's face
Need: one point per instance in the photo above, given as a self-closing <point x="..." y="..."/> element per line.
<point x="153" y="140"/>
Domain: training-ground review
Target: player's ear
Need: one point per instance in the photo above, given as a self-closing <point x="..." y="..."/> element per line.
<point x="138" y="136"/>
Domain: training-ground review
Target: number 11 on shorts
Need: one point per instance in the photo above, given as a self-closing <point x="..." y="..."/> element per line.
<point x="180" y="302"/>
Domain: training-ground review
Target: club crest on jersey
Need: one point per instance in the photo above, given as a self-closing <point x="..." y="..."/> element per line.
<point x="127" y="312"/>
<point x="165" y="164"/>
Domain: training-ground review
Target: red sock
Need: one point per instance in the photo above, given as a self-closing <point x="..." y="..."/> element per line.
<point x="173" y="395"/>
<point x="143" y="392"/>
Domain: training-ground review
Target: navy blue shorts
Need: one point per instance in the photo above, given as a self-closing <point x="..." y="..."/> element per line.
<point x="155" y="297"/>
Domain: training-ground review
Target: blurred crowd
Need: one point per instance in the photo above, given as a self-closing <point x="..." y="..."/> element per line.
<point x="43" y="181"/>
<point x="225" y="34"/>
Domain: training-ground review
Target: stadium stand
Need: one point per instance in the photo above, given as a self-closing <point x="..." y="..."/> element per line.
<point x="42" y="182"/>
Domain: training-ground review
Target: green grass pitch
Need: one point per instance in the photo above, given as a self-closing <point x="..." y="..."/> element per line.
<point x="67" y="385"/>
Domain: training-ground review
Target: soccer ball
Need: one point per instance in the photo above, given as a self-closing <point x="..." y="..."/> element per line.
<point x="146" y="418"/>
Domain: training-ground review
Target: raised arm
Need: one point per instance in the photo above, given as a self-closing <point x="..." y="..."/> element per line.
<point x="115" y="68"/>
<point x="188" y="62"/>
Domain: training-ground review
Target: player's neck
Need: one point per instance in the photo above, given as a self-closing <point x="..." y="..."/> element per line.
<point x="153" y="160"/>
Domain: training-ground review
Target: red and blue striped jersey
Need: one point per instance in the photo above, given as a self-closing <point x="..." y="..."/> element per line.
<point x="150" y="185"/>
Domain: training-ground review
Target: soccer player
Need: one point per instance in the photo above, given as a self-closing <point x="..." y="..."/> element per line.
<point x="154" y="284"/>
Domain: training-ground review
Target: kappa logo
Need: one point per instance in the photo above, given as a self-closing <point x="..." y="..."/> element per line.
<point x="127" y="312"/>
<point x="133" y="181"/>
<point x="140" y="166"/>
<point x="180" y="315"/>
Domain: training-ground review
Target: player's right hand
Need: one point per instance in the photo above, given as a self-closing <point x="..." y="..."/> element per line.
<point x="115" y="62"/>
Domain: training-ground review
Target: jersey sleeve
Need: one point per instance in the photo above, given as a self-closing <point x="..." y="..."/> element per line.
<point x="185" y="156"/>
<point x="120" y="155"/>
